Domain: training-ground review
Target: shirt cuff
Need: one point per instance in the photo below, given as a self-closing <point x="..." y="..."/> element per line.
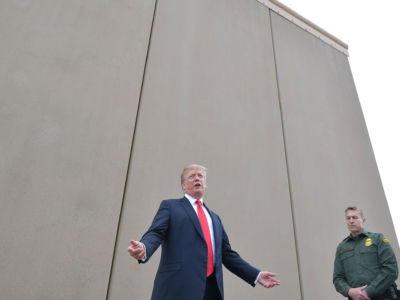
<point x="258" y="276"/>
<point x="371" y="291"/>
<point x="145" y="254"/>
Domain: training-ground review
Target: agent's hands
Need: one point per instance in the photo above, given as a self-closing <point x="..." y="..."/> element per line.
<point x="359" y="293"/>
<point x="137" y="250"/>
<point x="267" y="279"/>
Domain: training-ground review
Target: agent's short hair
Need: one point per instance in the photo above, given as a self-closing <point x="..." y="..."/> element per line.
<point x="190" y="167"/>
<point x="357" y="209"/>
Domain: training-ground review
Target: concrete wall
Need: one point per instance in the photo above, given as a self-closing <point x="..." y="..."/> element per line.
<point x="104" y="102"/>
<point x="70" y="79"/>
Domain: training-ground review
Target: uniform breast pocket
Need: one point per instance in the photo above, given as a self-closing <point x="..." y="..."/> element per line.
<point x="347" y="258"/>
<point x="369" y="256"/>
<point x="349" y="254"/>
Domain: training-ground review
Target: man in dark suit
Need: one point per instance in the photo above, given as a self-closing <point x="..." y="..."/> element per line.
<point x="194" y="247"/>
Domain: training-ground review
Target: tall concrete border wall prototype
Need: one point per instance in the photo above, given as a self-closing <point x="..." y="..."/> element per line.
<point x="102" y="104"/>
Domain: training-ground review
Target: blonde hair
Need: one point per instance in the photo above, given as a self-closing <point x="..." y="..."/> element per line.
<point x="190" y="167"/>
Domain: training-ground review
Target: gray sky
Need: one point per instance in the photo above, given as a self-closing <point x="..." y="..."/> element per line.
<point x="372" y="30"/>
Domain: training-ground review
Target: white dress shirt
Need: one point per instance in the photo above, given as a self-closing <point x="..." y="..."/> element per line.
<point x="209" y="220"/>
<point x="194" y="205"/>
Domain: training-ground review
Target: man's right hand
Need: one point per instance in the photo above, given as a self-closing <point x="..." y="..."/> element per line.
<point x="137" y="250"/>
<point x="359" y="293"/>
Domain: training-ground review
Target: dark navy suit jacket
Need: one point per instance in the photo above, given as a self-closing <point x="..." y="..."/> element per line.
<point x="182" y="271"/>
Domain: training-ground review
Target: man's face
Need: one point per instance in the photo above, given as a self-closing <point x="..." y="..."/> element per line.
<point x="354" y="222"/>
<point x="194" y="183"/>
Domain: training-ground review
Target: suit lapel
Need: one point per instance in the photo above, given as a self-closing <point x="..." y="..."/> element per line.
<point x="192" y="215"/>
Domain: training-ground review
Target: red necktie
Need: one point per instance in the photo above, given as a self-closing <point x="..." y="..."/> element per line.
<point x="207" y="236"/>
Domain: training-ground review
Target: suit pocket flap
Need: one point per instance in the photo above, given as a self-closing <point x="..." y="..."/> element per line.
<point x="170" y="267"/>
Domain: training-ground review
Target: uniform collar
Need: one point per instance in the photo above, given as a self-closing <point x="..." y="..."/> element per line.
<point x="366" y="233"/>
<point x="361" y="235"/>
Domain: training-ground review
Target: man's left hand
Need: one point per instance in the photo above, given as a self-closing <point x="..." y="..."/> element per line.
<point x="267" y="279"/>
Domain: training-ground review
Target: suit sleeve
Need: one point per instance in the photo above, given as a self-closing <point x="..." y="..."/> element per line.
<point x="234" y="263"/>
<point x="155" y="235"/>
<point x="388" y="269"/>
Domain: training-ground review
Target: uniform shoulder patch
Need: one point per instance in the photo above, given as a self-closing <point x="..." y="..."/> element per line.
<point x="385" y="240"/>
<point x="368" y="242"/>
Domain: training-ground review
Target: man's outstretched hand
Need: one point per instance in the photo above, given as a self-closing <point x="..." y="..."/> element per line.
<point x="267" y="279"/>
<point x="137" y="250"/>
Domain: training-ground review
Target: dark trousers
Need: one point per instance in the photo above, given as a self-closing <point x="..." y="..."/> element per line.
<point x="212" y="290"/>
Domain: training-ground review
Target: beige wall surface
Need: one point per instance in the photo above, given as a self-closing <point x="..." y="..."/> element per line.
<point x="70" y="78"/>
<point x="330" y="160"/>
<point x="218" y="107"/>
<point x="101" y="108"/>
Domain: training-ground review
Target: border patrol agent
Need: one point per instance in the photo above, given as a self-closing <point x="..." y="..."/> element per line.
<point x="365" y="265"/>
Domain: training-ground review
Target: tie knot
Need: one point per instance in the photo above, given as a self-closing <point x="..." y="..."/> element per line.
<point x="198" y="202"/>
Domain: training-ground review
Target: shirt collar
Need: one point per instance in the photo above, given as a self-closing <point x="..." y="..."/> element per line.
<point x="366" y="233"/>
<point x="192" y="200"/>
<point x="363" y="233"/>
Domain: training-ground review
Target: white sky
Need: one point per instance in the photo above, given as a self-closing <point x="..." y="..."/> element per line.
<point x="372" y="31"/>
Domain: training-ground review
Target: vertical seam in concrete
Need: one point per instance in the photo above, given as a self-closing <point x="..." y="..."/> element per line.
<point x="131" y="151"/>
<point x="286" y="157"/>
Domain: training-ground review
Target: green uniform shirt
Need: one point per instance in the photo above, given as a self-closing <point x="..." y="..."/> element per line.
<point x="367" y="259"/>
